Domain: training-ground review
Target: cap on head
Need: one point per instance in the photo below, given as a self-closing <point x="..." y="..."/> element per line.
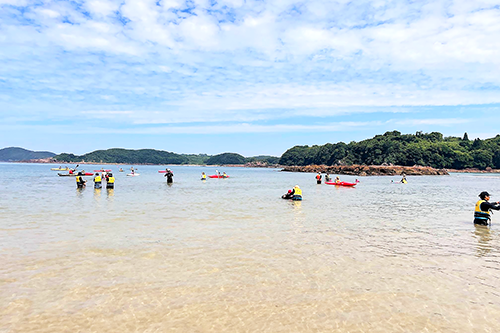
<point x="97" y="174"/>
<point x="296" y="186"/>
<point x="483" y="195"/>
<point x="289" y="191"/>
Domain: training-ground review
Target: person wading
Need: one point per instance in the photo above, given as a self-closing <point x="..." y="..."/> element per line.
<point x="483" y="207"/>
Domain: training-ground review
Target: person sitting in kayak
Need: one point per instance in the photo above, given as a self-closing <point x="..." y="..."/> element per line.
<point x="203" y="176"/>
<point x="224" y="175"/>
<point x="288" y="195"/>
<point x="110" y="181"/>
<point x="97" y="180"/>
<point x="318" y="178"/>
<point x="327" y="178"/>
<point x="80" y="183"/>
<point x="337" y="179"/>
<point x="121" y="170"/>
<point x="297" y="193"/>
<point x="403" y="180"/>
<point x="483" y="208"/>
<point x="170" y="176"/>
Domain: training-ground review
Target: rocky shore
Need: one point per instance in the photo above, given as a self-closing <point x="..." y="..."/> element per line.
<point x="368" y="170"/>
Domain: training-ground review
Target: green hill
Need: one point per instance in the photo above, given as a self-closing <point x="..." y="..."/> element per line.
<point x="426" y="149"/>
<point x="12" y="154"/>
<point x="128" y="156"/>
<point x="226" y="158"/>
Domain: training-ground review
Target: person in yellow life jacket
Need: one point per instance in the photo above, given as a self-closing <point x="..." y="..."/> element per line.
<point x="337" y="179"/>
<point x="297" y="193"/>
<point x="203" y="176"/>
<point x="318" y="178"/>
<point x="97" y="181"/>
<point x="483" y="207"/>
<point x="110" y="181"/>
<point x="80" y="183"/>
<point x="403" y="180"/>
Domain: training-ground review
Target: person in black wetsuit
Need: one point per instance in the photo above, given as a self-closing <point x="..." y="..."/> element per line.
<point x="483" y="207"/>
<point x="288" y="195"/>
<point x="170" y="176"/>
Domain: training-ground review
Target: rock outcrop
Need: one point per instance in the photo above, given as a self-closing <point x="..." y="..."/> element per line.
<point x="368" y="170"/>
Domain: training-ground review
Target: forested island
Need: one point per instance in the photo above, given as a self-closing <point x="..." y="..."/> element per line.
<point x="389" y="149"/>
<point x="393" y="148"/>
<point x="152" y="156"/>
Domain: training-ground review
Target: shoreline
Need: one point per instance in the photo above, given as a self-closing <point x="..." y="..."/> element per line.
<point x="354" y="170"/>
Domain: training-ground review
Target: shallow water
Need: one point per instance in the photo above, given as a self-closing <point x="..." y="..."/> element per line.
<point x="228" y="255"/>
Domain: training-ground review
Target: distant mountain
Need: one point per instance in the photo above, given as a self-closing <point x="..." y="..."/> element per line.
<point x="226" y="158"/>
<point x="13" y="154"/>
<point x="129" y="156"/>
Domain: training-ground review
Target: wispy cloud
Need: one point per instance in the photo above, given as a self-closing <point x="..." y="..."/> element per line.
<point x="147" y="62"/>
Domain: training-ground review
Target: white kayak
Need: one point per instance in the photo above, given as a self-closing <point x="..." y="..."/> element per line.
<point x="133" y="174"/>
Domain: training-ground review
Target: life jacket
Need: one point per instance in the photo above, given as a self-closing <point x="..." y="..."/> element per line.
<point x="78" y="179"/>
<point x="318" y="177"/>
<point x="111" y="180"/>
<point x="297" y="191"/>
<point x="404" y="181"/>
<point x="481" y="214"/>
<point x="204" y="177"/>
<point x="97" y="179"/>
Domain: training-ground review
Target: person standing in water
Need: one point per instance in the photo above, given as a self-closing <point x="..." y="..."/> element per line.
<point x="97" y="180"/>
<point x="203" y="176"/>
<point x="110" y="181"/>
<point x="483" y="207"/>
<point x="80" y="183"/>
<point x="170" y="176"/>
<point x="318" y="178"/>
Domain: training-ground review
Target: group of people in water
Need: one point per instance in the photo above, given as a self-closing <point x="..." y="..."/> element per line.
<point x="327" y="178"/>
<point x="98" y="179"/>
<point x="482" y="211"/>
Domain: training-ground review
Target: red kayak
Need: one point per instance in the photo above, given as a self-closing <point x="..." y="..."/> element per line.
<point x="74" y="174"/>
<point x="341" y="183"/>
<point x="102" y="170"/>
<point x="217" y="176"/>
<point x="162" y="171"/>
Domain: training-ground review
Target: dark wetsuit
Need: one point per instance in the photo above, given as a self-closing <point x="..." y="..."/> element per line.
<point x="170" y="176"/>
<point x="482" y="218"/>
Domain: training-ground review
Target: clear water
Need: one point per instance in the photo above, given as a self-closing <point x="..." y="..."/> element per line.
<point x="229" y="255"/>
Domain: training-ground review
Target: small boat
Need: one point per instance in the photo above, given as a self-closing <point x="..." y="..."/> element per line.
<point x="75" y="174"/>
<point x="108" y="170"/>
<point x="217" y="176"/>
<point x="341" y="183"/>
<point x="59" y="169"/>
<point x="133" y="174"/>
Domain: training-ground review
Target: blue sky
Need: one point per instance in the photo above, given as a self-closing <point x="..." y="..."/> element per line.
<point x="252" y="77"/>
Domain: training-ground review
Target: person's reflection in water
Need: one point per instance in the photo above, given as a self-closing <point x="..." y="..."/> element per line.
<point x="111" y="193"/>
<point x="97" y="193"/>
<point x="297" y="205"/>
<point x="483" y="235"/>
<point x="79" y="192"/>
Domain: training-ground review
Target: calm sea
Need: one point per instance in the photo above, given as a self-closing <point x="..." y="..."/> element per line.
<point x="229" y="255"/>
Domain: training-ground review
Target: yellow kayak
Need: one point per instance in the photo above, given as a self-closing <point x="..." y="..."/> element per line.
<point x="59" y="169"/>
